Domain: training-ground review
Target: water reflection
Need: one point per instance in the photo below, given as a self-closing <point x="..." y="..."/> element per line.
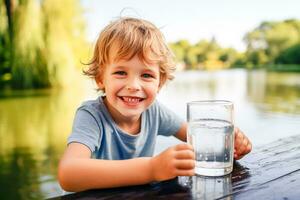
<point x="34" y="125"/>
<point x="19" y="173"/>
<point x="274" y="92"/>
<point x="33" y="132"/>
<point x="202" y="187"/>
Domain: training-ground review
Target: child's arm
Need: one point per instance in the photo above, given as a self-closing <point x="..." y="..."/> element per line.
<point x="181" y="134"/>
<point x="77" y="171"/>
<point x="242" y="144"/>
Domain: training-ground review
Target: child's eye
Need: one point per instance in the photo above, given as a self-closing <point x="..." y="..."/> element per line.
<point x="147" y="75"/>
<point x="122" y="73"/>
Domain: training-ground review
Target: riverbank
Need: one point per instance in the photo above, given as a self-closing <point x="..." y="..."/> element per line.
<point x="284" y="68"/>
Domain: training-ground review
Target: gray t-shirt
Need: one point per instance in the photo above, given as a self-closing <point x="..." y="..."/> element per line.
<point x="94" y="127"/>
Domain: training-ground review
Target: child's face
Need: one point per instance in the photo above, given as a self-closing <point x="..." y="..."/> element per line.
<point x="130" y="87"/>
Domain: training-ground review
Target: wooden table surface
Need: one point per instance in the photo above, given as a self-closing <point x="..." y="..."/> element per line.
<point x="269" y="172"/>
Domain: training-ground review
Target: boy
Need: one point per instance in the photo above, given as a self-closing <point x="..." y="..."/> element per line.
<point x="113" y="137"/>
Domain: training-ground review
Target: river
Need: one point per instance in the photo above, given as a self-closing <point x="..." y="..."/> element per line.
<point x="34" y="125"/>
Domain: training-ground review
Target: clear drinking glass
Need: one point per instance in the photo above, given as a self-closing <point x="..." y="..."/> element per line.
<point x="211" y="133"/>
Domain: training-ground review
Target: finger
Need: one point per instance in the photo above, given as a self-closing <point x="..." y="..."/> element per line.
<point x="238" y="141"/>
<point x="183" y="146"/>
<point x="243" y="148"/>
<point x="185" y="164"/>
<point x="189" y="172"/>
<point x="235" y="155"/>
<point x="239" y="134"/>
<point x="239" y="157"/>
<point x="249" y="147"/>
<point x="244" y="144"/>
<point x="185" y="154"/>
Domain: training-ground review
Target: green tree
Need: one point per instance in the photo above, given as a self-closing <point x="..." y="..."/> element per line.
<point x="203" y="54"/>
<point x="256" y="59"/>
<point x="269" y="39"/>
<point x="5" y="42"/>
<point x="28" y="64"/>
<point x="289" y="56"/>
<point x="180" y="50"/>
<point x="240" y="61"/>
<point x="203" y="48"/>
<point x="228" y="56"/>
<point x="64" y="38"/>
<point x="40" y="42"/>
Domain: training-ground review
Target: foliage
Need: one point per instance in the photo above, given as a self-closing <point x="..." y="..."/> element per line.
<point x="204" y="54"/>
<point x="290" y="55"/>
<point x="39" y="42"/>
<point x="266" y="42"/>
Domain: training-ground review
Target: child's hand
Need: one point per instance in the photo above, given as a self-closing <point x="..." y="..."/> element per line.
<point x="178" y="160"/>
<point x="242" y="144"/>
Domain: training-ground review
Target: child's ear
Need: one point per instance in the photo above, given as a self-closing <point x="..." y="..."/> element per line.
<point x="100" y="83"/>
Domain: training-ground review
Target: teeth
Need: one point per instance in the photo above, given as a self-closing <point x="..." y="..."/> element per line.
<point x="131" y="99"/>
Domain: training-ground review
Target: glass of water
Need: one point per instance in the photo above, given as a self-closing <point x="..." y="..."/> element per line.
<point x="211" y="133"/>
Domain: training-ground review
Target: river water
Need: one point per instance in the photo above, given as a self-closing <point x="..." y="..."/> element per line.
<point x="34" y="124"/>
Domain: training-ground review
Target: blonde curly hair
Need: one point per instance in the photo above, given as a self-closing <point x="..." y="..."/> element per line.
<point x="126" y="37"/>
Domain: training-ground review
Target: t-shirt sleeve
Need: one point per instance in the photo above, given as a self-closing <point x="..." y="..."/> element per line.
<point x="169" y="122"/>
<point x="85" y="129"/>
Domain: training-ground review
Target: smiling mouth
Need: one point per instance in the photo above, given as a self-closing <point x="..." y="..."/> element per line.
<point x="131" y="100"/>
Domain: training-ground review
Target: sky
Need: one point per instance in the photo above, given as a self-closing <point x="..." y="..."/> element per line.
<point x="225" y="20"/>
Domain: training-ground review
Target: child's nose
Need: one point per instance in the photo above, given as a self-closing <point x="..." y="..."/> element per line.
<point x="133" y="84"/>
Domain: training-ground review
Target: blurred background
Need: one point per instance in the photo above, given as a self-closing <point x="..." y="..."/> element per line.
<point x="247" y="52"/>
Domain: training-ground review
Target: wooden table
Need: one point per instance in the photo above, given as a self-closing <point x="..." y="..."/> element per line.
<point x="269" y="172"/>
